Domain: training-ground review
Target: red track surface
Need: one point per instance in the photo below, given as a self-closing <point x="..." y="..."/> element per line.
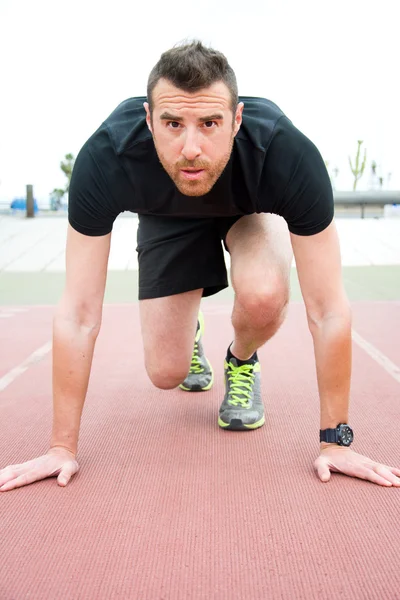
<point x="168" y="506"/>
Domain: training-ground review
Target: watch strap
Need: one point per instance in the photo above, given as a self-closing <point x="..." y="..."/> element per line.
<point x="330" y="436"/>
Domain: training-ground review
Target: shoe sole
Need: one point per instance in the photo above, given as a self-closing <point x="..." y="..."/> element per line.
<point x="197" y="388"/>
<point x="238" y="425"/>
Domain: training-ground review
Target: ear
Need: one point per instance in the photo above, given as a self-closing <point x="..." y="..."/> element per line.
<point x="238" y="117"/>
<point x="148" y="116"/>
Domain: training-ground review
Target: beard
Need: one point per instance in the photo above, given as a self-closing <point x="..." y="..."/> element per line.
<point x="211" y="171"/>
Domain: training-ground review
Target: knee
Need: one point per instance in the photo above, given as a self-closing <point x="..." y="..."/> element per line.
<point x="266" y="303"/>
<point x="166" y="377"/>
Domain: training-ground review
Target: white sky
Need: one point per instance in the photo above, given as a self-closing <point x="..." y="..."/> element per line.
<point x="331" y="66"/>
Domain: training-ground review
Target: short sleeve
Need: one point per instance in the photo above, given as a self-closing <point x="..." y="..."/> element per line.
<point x="91" y="207"/>
<point x="295" y="183"/>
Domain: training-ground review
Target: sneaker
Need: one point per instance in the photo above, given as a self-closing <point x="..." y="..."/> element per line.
<point x="242" y="407"/>
<point x="200" y="377"/>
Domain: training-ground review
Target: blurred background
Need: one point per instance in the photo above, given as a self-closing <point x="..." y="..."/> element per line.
<point x="330" y="65"/>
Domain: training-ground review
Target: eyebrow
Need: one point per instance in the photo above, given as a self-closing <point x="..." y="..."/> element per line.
<point x="166" y="116"/>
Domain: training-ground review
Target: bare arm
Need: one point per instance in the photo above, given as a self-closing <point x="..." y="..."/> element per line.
<point x="319" y="269"/>
<point x="329" y="319"/>
<point x="76" y="327"/>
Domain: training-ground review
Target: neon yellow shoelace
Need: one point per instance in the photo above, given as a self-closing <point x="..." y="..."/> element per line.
<point x="241" y="380"/>
<point x="195" y="365"/>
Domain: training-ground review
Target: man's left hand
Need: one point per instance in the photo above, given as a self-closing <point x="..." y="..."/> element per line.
<point x="338" y="459"/>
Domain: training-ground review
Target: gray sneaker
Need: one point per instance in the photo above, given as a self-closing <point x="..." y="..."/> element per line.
<point x="200" y="377"/>
<point x="242" y="407"/>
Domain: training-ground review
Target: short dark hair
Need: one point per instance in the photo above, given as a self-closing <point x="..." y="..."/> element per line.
<point x="192" y="67"/>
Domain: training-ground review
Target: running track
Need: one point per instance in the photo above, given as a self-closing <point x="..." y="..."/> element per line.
<point x="168" y="506"/>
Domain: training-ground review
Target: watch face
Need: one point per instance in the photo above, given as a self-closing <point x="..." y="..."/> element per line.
<point x="345" y="435"/>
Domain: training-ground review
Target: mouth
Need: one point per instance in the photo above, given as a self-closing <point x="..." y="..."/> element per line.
<point x="192" y="174"/>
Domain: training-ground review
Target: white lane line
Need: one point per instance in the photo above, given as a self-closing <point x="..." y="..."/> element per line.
<point x="34" y="358"/>
<point x="5" y="313"/>
<point x="377" y="355"/>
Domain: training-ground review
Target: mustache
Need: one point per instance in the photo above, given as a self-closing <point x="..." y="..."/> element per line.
<point x="192" y="164"/>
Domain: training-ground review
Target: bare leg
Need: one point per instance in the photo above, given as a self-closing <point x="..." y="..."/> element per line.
<point x="261" y="257"/>
<point x="168" y="330"/>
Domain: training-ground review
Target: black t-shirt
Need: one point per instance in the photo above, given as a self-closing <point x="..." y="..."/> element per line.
<point x="273" y="168"/>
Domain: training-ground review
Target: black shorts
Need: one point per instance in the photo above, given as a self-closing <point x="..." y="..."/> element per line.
<point x="178" y="254"/>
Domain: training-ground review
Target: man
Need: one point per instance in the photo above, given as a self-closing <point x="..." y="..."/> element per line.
<point x="199" y="165"/>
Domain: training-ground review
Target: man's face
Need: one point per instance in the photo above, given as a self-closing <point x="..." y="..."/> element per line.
<point x="193" y="134"/>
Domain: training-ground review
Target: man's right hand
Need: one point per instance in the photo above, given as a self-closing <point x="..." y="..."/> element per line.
<point x="58" y="462"/>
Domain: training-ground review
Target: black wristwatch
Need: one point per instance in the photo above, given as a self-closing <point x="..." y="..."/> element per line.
<point x="343" y="435"/>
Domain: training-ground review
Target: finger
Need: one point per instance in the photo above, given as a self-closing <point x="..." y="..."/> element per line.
<point x="5" y="477"/>
<point x="14" y="483"/>
<point x="387" y="473"/>
<point x="9" y="467"/>
<point x="370" y="475"/>
<point x="395" y="471"/>
<point x="16" y="466"/>
<point x="322" y="470"/>
<point x="24" y="479"/>
<point x="8" y="474"/>
<point x="66" y="473"/>
<point x="4" y="482"/>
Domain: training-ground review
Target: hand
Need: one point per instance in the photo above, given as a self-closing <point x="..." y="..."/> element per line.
<point x="58" y="461"/>
<point x="339" y="459"/>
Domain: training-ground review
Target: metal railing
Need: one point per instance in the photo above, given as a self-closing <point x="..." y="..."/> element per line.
<point x="364" y="199"/>
<point x="373" y="198"/>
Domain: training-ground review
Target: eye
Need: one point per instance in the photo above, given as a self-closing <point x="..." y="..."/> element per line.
<point x="173" y="124"/>
<point x="210" y="124"/>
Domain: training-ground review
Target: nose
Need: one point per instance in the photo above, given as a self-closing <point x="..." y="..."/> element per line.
<point x="191" y="147"/>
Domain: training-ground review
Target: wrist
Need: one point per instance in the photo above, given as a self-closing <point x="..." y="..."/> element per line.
<point x="328" y="422"/>
<point x="64" y="438"/>
<point x="326" y="445"/>
<point x="56" y="447"/>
